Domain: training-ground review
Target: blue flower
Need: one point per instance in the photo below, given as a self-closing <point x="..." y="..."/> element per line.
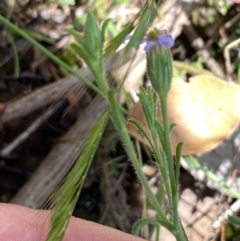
<point x="156" y="37"/>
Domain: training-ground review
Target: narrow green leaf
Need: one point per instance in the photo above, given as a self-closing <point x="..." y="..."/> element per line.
<point x="87" y="58"/>
<point x="192" y="162"/>
<point x="119" y="122"/>
<point x="171" y="228"/>
<point x="147" y="16"/>
<point x="104" y="28"/>
<point x="80" y="51"/>
<point x="51" y="56"/>
<point x="39" y="37"/>
<point x="15" y="55"/>
<point x="234" y="220"/>
<point x="67" y="195"/>
<point x="117" y="115"/>
<point x="92" y="34"/>
<point x="160" y="195"/>
<point x="140" y="224"/>
<point x="148" y="101"/>
<point x="77" y="36"/>
<point x="153" y="101"/>
<point x="141" y="129"/>
<point x="178" y="160"/>
<point x="160" y="133"/>
<point x="172" y="125"/>
<point x="114" y="44"/>
<point x="157" y="231"/>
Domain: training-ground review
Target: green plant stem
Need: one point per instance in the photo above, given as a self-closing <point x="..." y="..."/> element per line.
<point x="157" y="235"/>
<point x="167" y="148"/>
<point x="180" y="234"/>
<point x="119" y="121"/>
<point x="48" y="53"/>
<point x="15" y="55"/>
<point x="101" y="78"/>
<point x="163" y="168"/>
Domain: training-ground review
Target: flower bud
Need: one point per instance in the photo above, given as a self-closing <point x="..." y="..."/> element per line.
<point x="159" y="67"/>
<point x="159" y="60"/>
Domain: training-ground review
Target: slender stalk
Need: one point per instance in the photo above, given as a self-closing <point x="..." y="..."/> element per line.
<point x="157" y="235"/>
<point x="167" y="148"/>
<point x="15" y="56"/>
<point x="162" y="166"/>
<point x="101" y="78"/>
<point x="180" y="234"/>
<point x="120" y="124"/>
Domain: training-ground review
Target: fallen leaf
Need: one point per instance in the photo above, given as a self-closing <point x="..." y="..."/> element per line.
<point x="206" y="110"/>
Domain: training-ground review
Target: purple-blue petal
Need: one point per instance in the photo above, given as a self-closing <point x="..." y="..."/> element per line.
<point x="149" y="45"/>
<point x="128" y="37"/>
<point x="166" y="40"/>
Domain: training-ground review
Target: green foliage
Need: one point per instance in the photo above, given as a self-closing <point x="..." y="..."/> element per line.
<point x="114" y="44"/>
<point x="15" y="56"/>
<point x="118" y="119"/>
<point x="141" y="24"/>
<point x="67" y="195"/>
<point x="49" y="54"/>
<point x="160" y="132"/>
<point x="178" y="159"/>
<point x="111" y="97"/>
<point x="160" y="142"/>
<point x="234" y="220"/>
<point x="141" y="223"/>
<point x="104" y="28"/>
<point x="92" y="36"/>
<point x="90" y="47"/>
<point x="159" y="67"/>
<point x="142" y="27"/>
<point x="223" y="6"/>
<point x="148" y="100"/>
<point x="141" y="129"/>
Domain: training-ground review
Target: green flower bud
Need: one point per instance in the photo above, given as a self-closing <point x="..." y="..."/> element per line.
<point x="159" y="60"/>
<point x="159" y="67"/>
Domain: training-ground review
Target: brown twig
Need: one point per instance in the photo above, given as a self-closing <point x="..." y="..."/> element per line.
<point x="56" y="165"/>
<point x="50" y="93"/>
<point x="24" y="135"/>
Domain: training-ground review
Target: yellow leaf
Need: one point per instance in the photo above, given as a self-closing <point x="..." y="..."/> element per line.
<point x="206" y="110"/>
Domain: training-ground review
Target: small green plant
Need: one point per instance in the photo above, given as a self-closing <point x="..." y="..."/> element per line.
<point x="159" y="65"/>
<point x="90" y="47"/>
<point x="234" y="220"/>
